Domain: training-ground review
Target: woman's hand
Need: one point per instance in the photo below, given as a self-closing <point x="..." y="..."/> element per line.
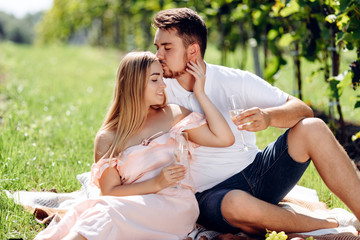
<point x="197" y="71"/>
<point x="169" y="176"/>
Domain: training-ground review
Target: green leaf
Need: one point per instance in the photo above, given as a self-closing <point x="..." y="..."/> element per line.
<point x="355" y="136"/>
<point x="291" y="8"/>
<point x="332" y="90"/>
<point x="286" y="40"/>
<point x="330" y="18"/>
<point x="256" y="17"/>
<point x="276" y="8"/>
<point x="345" y="37"/>
<point x="272" y="68"/>
<point x="346" y="81"/>
<point x="343" y="20"/>
<point x="238" y="13"/>
<point x="344" y="4"/>
<point x="272" y="34"/>
<point x="356" y="36"/>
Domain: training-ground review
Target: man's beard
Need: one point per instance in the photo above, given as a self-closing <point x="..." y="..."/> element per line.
<point x="171" y="74"/>
<point x="175" y="74"/>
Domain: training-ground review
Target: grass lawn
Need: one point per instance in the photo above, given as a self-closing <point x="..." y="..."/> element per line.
<point x="52" y="102"/>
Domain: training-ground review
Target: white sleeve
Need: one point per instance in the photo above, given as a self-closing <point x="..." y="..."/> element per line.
<point x="256" y="92"/>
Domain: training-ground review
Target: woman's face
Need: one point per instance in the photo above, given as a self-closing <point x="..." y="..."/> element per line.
<point x="155" y="87"/>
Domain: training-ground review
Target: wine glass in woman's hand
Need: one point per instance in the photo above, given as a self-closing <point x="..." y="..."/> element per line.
<point x="181" y="150"/>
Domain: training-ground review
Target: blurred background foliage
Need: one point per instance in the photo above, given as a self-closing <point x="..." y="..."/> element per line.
<point x="18" y="30"/>
<point x="277" y="32"/>
<point x="53" y="94"/>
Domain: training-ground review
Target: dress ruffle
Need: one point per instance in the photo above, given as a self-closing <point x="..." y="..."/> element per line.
<point x="193" y="120"/>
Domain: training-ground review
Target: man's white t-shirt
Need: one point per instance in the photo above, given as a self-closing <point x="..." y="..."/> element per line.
<point x="214" y="165"/>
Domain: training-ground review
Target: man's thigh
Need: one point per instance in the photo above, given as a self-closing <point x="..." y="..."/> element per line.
<point x="274" y="173"/>
<point x="270" y="177"/>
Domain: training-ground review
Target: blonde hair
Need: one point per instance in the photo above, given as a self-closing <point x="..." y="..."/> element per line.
<point x="127" y="113"/>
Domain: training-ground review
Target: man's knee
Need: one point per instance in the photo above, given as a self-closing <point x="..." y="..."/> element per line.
<point x="304" y="136"/>
<point x="309" y="126"/>
<point x="240" y="211"/>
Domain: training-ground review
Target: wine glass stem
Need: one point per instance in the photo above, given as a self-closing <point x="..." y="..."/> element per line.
<point x="243" y="141"/>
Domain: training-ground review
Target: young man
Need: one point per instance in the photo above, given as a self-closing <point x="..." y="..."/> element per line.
<point x="241" y="189"/>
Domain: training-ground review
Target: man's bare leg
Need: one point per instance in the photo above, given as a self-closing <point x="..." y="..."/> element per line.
<point x="311" y="138"/>
<point x="254" y="216"/>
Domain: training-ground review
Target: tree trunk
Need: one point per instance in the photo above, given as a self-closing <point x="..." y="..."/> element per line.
<point x="116" y="30"/>
<point x="243" y="45"/>
<point x="255" y="51"/>
<point x="100" y="37"/>
<point x="298" y="70"/>
<point x="332" y="124"/>
<point x="221" y="28"/>
<point x="335" y="57"/>
<point x="265" y="48"/>
<point x="146" y="30"/>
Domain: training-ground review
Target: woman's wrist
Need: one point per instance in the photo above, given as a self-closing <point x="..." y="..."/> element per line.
<point x="156" y="185"/>
<point x="200" y="94"/>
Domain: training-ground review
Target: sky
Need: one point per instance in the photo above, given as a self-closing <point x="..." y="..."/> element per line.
<point x="19" y="8"/>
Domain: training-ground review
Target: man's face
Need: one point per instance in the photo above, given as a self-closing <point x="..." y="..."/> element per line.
<point x="171" y="52"/>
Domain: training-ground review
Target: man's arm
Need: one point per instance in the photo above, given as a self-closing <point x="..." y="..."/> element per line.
<point x="284" y="116"/>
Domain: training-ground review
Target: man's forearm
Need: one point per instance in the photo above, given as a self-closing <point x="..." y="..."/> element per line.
<point x="289" y="114"/>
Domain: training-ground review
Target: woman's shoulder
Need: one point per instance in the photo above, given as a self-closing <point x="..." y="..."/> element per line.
<point x="103" y="141"/>
<point x="104" y="136"/>
<point x="176" y="112"/>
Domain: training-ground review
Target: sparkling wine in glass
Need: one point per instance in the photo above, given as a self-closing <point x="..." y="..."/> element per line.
<point x="181" y="150"/>
<point x="234" y="106"/>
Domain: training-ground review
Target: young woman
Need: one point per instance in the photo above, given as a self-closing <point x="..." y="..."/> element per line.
<point x="134" y="160"/>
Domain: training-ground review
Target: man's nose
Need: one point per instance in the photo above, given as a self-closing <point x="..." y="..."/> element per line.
<point x="159" y="54"/>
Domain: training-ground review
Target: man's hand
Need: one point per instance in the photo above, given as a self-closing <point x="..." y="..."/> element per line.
<point x="253" y="120"/>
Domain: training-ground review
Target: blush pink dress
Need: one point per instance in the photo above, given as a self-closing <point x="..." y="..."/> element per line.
<point x="169" y="214"/>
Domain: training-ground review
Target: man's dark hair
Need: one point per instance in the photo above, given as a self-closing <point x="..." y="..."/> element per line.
<point x="189" y="25"/>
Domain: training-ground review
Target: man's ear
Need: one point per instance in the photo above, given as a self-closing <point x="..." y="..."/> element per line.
<point x="193" y="51"/>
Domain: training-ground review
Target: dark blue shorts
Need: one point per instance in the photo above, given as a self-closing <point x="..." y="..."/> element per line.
<point x="270" y="177"/>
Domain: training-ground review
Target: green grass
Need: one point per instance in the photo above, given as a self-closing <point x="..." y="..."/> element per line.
<point x="52" y="102"/>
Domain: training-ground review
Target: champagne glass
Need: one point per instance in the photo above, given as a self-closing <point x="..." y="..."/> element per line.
<point x="181" y="150"/>
<point x="234" y="106"/>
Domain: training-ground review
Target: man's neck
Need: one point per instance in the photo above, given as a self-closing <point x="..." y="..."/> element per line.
<point x="187" y="81"/>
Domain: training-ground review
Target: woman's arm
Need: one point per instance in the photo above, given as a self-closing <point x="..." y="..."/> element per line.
<point x="110" y="183"/>
<point x="216" y="133"/>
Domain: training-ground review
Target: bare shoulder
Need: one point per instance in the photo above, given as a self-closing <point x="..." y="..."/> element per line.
<point x="177" y="112"/>
<point x="103" y="140"/>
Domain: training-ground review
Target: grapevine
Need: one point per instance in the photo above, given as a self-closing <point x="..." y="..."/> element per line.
<point x="355" y="68"/>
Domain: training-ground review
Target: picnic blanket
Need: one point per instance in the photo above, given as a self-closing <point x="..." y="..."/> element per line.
<point x="49" y="207"/>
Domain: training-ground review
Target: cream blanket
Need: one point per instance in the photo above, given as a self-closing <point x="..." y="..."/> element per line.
<point x="50" y="207"/>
